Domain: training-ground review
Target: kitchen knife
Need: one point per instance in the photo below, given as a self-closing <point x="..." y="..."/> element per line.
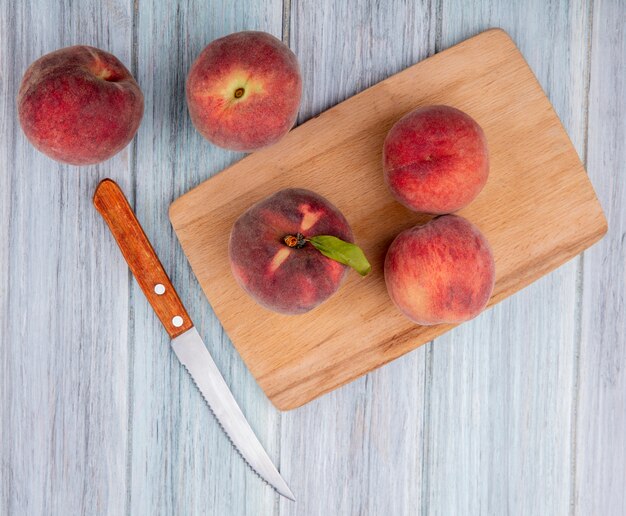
<point x="110" y="201"/>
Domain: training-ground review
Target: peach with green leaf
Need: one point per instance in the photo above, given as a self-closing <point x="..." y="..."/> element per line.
<point x="292" y="250"/>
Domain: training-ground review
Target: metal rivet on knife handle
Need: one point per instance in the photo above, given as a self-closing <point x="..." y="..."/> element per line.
<point x="159" y="289"/>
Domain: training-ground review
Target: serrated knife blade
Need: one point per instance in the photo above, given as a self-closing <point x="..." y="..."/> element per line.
<point x="193" y="354"/>
<point x="189" y="347"/>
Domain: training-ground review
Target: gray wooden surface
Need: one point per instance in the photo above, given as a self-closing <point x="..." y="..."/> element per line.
<point x="521" y="411"/>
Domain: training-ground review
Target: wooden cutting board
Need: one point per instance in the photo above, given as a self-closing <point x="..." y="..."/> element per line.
<point x="538" y="210"/>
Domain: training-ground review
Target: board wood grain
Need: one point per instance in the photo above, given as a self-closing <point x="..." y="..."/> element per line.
<point x="538" y="210"/>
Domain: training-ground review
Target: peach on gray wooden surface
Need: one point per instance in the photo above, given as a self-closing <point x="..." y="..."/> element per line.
<point x="243" y="91"/>
<point x="79" y="105"/>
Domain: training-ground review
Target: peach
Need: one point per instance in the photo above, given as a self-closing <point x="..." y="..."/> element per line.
<point x="79" y="105"/>
<point x="288" y="280"/>
<point x="441" y="272"/>
<point x="435" y="160"/>
<point x="243" y="91"/>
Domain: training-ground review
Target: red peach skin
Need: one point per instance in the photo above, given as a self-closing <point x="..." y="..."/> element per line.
<point x="283" y="279"/>
<point x="243" y="91"/>
<point x="79" y="105"/>
<point x="435" y="160"/>
<point x="441" y="272"/>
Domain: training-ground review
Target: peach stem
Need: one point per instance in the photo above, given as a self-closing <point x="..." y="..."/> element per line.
<point x="298" y="241"/>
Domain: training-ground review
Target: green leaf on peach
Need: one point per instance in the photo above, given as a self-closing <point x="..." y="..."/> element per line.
<point x="342" y="252"/>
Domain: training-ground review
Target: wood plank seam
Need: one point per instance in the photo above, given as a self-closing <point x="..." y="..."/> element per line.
<point x="579" y="285"/>
<point x="130" y="341"/>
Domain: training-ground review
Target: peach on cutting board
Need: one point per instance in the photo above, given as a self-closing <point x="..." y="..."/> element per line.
<point x="243" y="91"/>
<point x="288" y="280"/>
<point x="441" y="272"/>
<point x="435" y="160"/>
<point x="79" y="105"/>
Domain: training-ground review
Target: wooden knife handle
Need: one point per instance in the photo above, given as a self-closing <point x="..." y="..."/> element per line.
<point x="110" y="201"/>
